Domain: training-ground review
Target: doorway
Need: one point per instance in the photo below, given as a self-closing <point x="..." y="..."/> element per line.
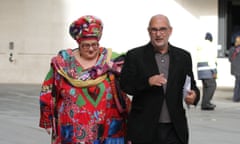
<point x="229" y="24"/>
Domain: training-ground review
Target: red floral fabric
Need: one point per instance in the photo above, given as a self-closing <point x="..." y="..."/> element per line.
<point x="79" y="114"/>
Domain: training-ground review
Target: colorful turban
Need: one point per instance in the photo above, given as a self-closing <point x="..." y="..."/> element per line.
<point x="86" y="27"/>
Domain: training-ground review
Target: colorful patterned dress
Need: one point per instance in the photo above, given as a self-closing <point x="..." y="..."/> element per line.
<point x="78" y="104"/>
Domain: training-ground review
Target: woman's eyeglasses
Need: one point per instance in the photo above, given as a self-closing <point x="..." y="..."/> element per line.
<point x="89" y="45"/>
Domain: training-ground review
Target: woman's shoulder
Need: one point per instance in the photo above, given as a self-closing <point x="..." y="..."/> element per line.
<point x="63" y="55"/>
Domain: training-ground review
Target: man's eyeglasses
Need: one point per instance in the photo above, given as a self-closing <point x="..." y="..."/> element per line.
<point x="162" y="30"/>
<point x="88" y="45"/>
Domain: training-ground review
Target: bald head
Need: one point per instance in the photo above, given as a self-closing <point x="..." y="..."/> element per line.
<point x="159" y="17"/>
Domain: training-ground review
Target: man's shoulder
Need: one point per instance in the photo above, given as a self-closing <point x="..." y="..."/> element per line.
<point x="179" y="50"/>
<point x="138" y="50"/>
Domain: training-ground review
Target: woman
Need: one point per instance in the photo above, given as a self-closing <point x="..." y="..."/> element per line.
<point x="80" y="100"/>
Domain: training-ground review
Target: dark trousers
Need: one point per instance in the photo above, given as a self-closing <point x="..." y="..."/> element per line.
<point x="209" y="87"/>
<point x="236" y="94"/>
<point x="165" y="134"/>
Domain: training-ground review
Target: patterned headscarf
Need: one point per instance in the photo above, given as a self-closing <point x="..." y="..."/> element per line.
<point x="86" y="27"/>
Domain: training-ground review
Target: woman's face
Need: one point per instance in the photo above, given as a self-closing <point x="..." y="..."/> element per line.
<point x="89" y="49"/>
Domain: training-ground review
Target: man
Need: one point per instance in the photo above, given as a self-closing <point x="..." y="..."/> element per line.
<point x="234" y="58"/>
<point x="207" y="70"/>
<point x="154" y="74"/>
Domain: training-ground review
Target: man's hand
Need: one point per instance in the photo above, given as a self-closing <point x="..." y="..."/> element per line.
<point x="214" y="75"/>
<point x="157" y="80"/>
<point x="190" y="98"/>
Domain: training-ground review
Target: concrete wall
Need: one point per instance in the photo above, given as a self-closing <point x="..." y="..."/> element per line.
<point x="39" y="28"/>
<point x="36" y="30"/>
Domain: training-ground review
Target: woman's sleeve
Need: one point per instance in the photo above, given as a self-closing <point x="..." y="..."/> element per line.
<point x="46" y="101"/>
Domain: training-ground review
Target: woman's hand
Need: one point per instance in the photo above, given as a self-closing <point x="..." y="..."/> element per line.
<point x="116" y="66"/>
<point x="48" y="130"/>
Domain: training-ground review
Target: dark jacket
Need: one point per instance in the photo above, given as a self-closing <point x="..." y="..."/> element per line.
<point x="140" y="64"/>
<point x="234" y="58"/>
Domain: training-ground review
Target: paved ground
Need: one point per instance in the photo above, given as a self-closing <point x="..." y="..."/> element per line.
<point x="216" y="127"/>
<point x="19" y="115"/>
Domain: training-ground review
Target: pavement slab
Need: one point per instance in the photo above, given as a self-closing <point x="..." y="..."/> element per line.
<point x="19" y="118"/>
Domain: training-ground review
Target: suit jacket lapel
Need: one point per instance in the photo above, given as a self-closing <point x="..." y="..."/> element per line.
<point x="173" y="66"/>
<point x="150" y="60"/>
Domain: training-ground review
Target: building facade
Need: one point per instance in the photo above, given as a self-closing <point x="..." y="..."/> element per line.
<point x="33" y="31"/>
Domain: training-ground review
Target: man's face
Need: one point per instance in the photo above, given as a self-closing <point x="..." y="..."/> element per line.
<point x="159" y="32"/>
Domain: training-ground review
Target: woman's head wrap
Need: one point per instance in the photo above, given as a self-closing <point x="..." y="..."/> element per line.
<point x="86" y="27"/>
